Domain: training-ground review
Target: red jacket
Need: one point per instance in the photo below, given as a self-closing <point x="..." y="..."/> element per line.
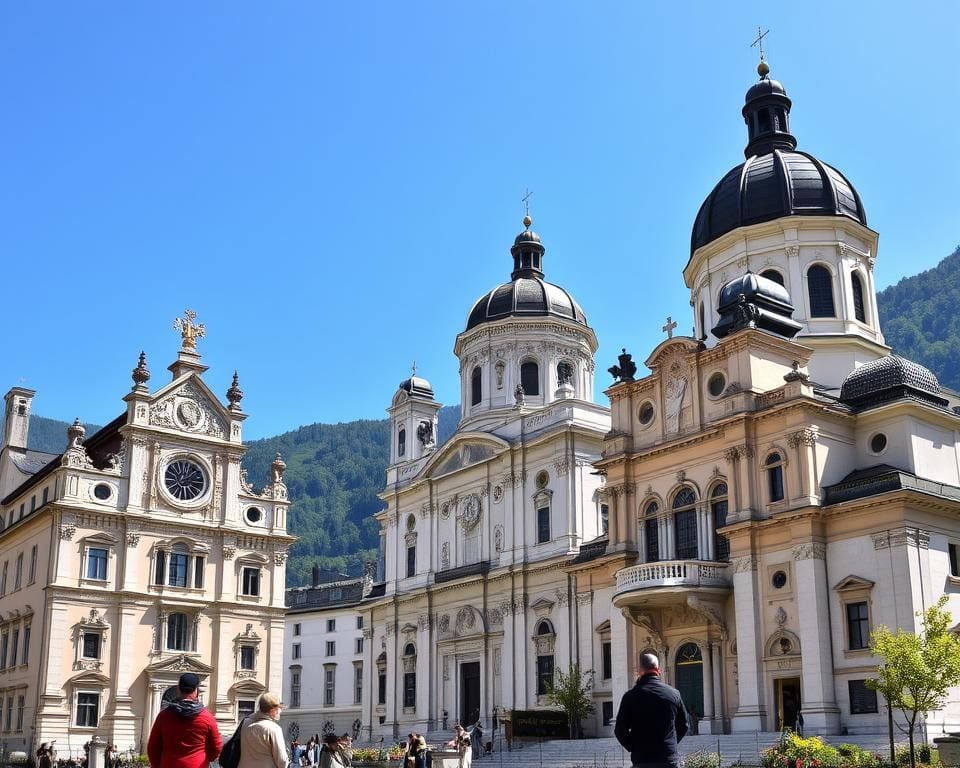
<point x="184" y="735"/>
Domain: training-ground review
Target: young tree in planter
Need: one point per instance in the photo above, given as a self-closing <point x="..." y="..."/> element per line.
<point x="570" y="692"/>
<point x="918" y="670"/>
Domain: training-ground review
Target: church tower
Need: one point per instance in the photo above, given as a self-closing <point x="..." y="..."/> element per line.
<point x="790" y="218"/>
<point x="413" y="420"/>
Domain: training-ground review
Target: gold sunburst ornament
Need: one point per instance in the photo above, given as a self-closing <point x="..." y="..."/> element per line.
<point x="190" y="331"/>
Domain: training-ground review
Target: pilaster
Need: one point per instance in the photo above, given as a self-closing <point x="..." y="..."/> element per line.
<point x="751" y="712"/>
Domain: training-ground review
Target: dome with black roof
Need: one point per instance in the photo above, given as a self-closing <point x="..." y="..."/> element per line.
<point x="416" y="386"/>
<point x="890" y="378"/>
<point x="527" y="294"/>
<point x="775" y="180"/>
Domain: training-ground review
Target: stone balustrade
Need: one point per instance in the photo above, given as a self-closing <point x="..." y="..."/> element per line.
<point x="673" y="573"/>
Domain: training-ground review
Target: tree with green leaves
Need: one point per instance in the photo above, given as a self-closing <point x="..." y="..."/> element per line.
<point x="918" y="669"/>
<point x="570" y="691"/>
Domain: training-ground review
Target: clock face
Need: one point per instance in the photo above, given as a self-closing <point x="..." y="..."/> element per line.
<point x="184" y="479"/>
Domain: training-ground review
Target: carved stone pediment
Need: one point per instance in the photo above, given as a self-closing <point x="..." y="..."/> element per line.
<point x="851" y="583"/>
<point x="542" y="606"/>
<point x="463" y="453"/>
<point x="191" y="408"/>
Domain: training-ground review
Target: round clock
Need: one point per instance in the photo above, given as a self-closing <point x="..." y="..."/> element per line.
<point x="185" y="480"/>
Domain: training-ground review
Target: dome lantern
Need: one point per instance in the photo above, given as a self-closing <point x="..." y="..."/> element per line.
<point x="527" y="252"/>
<point x="767" y="113"/>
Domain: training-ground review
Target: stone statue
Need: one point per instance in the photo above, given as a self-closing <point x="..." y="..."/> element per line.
<point x="627" y="368"/>
<point x="564" y="373"/>
<point x="518" y="396"/>
<point x="674" y="401"/>
<point x="425" y="434"/>
<point x="189" y="331"/>
<point x="747" y="314"/>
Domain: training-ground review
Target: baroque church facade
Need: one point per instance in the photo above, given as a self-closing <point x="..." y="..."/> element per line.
<point x="139" y="553"/>
<point x="774" y="489"/>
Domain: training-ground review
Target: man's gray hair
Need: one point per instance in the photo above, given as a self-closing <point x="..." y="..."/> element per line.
<point x="649" y="661"/>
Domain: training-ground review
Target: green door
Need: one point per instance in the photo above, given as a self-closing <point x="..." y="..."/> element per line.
<point x="690" y="679"/>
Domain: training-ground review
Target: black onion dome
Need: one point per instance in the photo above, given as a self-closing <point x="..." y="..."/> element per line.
<point x="527" y="294"/>
<point x="890" y="378"/>
<point x="752" y="286"/>
<point x="416" y="386"/>
<point x="754" y="301"/>
<point x="775" y="180"/>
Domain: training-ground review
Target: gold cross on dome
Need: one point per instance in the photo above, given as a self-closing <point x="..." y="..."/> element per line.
<point x="668" y="328"/>
<point x="759" y="41"/>
<point x="189" y="331"/>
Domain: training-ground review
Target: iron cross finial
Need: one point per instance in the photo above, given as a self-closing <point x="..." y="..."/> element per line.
<point x="668" y="328"/>
<point x="526" y="201"/>
<point x="759" y="41"/>
<point x="413" y="368"/>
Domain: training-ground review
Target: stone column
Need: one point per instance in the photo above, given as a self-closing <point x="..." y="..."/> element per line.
<point x="629" y="531"/>
<point x="820" y="711"/>
<point x="622" y="654"/>
<point x="708" y="690"/>
<point x="718" y="713"/>
<point x="613" y="519"/>
<point x="750" y="714"/>
<point x="803" y="442"/>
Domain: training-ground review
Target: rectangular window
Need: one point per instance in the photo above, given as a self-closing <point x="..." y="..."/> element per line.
<point x="4" y="647"/>
<point x="160" y="569"/>
<point x="331" y="625"/>
<point x="604" y="518"/>
<point x="88" y="710"/>
<point x="245" y="708"/>
<point x="863" y="701"/>
<point x="296" y="650"/>
<point x="8" y="716"/>
<point x="247" y="654"/>
<point x="251" y="582"/>
<point x="91" y="645"/>
<point x="33" y="565"/>
<point x="685" y="525"/>
<point x="198" y="566"/>
<point x="294" y="688"/>
<point x="653" y="539"/>
<point x="606" y="708"/>
<point x="21" y="700"/>
<point x="357" y="683"/>
<point x="296" y="630"/>
<point x="954" y="560"/>
<point x="18" y="573"/>
<point x="26" y="644"/>
<point x="411" y="561"/>
<point x="359" y="622"/>
<point x="178" y="638"/>
<point x="410" y="690"/>
<point x="46" y="495"/>
<point x="858" y="626"/>
<point x="543" y="525"/>
<point x="331" y="648"/>
<point x="382" y="687"/>
<point x="97" y="563"/>
<point x="14" y="646"/>
<point x="177" y="573"/>
<point x="329" y="683"/>
<point x="359" y="648"/>
<point x="3" y="578"/>
<point x="544" y="674"/>
<point x="606" y="649"/>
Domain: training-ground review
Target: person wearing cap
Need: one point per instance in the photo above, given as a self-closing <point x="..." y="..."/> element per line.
<point x="652" y="719"/>
<point x="333" y="754"/>
<point x="261" y="737"/>
<point x="184" y="735"/>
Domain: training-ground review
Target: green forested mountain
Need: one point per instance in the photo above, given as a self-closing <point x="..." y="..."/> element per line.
<point x="334" y="472"/>
<point x="48" y="435"/>
<point x="920" y="319"/>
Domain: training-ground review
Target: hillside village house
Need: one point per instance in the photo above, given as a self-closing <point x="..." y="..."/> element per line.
<point x="137" y="554"/>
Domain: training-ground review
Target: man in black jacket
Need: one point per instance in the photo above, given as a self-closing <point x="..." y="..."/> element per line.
<point x="652" y="719"/>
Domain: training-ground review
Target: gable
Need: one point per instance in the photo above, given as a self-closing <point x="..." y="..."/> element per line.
<point x="180" y="664"/>
<point x="851" y="582"/>
<point x="464" y="452"/>
<point x="189" y="406"/>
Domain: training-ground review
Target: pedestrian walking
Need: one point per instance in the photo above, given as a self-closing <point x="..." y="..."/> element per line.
<point x="184" y="735"/>
<point x="261" y="738"/>
<point x="652" y="719"/>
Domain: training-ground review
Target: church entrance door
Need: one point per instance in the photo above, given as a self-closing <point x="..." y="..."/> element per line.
<point x="690" y="680"/>
<point x="786" y="694"/>
<point x="469" y="693"/>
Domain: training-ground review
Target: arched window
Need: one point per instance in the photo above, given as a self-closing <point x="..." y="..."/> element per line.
<point x="530" y="378"/>
<point x="544" y="628"/>
<point x="685" y="524"/>
<point x="652" y="530"/>
<point x="820" y="290"/>
<point x="409" y="650"/>
<point x="476" y="387"/>
<point x="718" y="509"/>
<point x="859" y="310"/>
<point x="774" y="467"/>
<point x="544" y="641"/>
<point x="401" y="441"/>
<point x="773" y="274"/>
<point x="178" y="632"/>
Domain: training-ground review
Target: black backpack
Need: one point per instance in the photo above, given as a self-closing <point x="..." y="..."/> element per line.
<point x="230" y="754"/>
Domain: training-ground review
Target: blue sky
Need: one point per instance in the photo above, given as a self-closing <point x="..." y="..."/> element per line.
<point x="332" y="185"/>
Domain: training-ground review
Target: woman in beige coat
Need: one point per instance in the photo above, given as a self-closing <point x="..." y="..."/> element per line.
<point x="261" y="738"/>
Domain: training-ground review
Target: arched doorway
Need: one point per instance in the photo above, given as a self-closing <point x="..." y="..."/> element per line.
<point x="689" y="665"/>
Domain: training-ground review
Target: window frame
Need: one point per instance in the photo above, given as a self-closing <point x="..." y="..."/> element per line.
<point x="250" y="580"/>
<point x="91" y="561"/>
<point x="188" y="622"/>
<point x="863" y="623"/>
<point x="529" y="364"/>
<point x="776" y="484"/>
<point x="95" y="704"/>
<point x="859" y="293"/>
<point x="329" y="685"/>
<point x="247" y="653"/>
<point x="296" y="683"/>
<point x="818" y="304"/>
<point x="409" y="690"/>
<point x="720" y="502"/>
<point x="683" y="510"/>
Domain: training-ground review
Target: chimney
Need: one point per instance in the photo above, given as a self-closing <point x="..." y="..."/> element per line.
<point x="17" y="424"/>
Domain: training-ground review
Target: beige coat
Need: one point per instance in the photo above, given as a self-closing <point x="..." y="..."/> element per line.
<point x="261" y="743"/>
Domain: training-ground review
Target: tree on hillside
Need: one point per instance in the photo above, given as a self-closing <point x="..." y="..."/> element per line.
<point x="570" y="691"/>
<point x="918" y="669"/>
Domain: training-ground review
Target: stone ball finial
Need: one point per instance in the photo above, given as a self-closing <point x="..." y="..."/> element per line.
<point x="763" y="69"/>
<point x="235" y="394"/>
<point x="141" y="374"/>
<point x="75" y="433"/>
<point x="527" y="221"/>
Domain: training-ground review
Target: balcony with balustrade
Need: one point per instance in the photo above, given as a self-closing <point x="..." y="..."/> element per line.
<point x="670" y="581"/>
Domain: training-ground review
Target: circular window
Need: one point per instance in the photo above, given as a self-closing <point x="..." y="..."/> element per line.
<point x="102" y="491"/>
<point x="184" y="479"/>
<point x="779" y="580"/>
<point x="542" y="478"/>
<point x="878" y="443"/>
<point x="715" y="384"/>
<point x="253" y="514"/>
<point x="646" y="413"/>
